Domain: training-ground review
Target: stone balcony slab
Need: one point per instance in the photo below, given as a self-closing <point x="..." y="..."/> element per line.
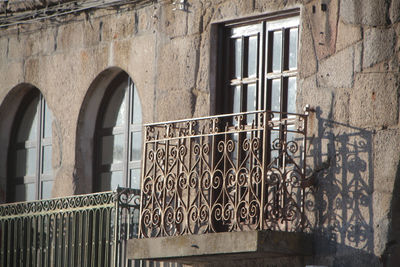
<point x="189" y="249"/>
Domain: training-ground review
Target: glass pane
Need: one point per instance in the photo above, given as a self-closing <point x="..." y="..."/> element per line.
<point x="137" y="109"/>
<point x="110" y="180"/>
<point x="291" y="102"/>
<point x="251" y="104"/>
<point x="237" y="60"/>
<point x="251" y="97"/>
<point x="25" y="192"/>
<point x="26" y="162"/>
<point x="236" y="99"/>
<point x="47" y="186"/>
<point x="252" y="56"/>
<point x="276" y="95"/>
<point x="277" y="51"/>
<point x="28" y="127"/>
<point x="46" y="164"/>
<point x="136" y="140"/>
<point x="115" y="111"/>
<point x="135" y="178"/>
<point x="293" y="48"/>
<point x="48" y="119"/>
<point x="112" y="149"/>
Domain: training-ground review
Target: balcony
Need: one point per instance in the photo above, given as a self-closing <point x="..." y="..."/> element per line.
<point x="85" y="230"/>
<point x="232" y="184"/>
<point x="224" y="185"/>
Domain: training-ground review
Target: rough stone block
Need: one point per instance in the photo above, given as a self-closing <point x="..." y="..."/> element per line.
<point x="269" y="6"/>
<point x="11" y="74"/>
<point x="382" y="209"/>
<point x="173" y="22"/>
<point x="201" y="105"/>
<point x="323" y="26"/>
<point x="177" y="64"/>
<point x="394" y="11"/>
<point x="147" y="18"/>
<point x="16" y="47"/>
<point x="91" y="32"/>
<point x="373" y="102"/>
<point x="307" y="64"/>
<point x="358" y="53"/>
<point x="177" y="104"/>
<point x="63" y="183"/>
<point x="378" y="45"/>
<point x="386" y="159"/>
<point x="142" y="54"/>
<point x="347" y="34"/>
<point x="331" y="74"/>
<point x="115" y="27"/>
<point x="195" y="19"/>
<point x="3" y="47"/>
<point x="320" y="99"/>
<point x="370" y="12"/>
<point x="70" y="36"/>
<point x="341" y="100"/>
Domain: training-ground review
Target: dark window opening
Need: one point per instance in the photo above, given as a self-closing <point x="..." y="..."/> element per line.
<point x="31" y="173"/>
<point x="118" y="137"/>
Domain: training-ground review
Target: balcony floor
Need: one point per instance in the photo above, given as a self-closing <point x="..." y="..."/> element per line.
<point x="191" y="249"/>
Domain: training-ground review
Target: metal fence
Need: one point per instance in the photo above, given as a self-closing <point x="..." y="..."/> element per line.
<point x="84" y="230"/>
<point x="223" y="173"/>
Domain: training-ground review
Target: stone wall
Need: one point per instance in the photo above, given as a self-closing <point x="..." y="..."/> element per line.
<point x="348" y="73"/>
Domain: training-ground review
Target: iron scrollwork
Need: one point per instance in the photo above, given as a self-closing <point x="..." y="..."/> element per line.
<point x="224" y="173"/>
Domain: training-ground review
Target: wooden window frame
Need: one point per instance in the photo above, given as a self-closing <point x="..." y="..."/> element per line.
<point x="127" y="164"/>
<point x="40" y="143"/>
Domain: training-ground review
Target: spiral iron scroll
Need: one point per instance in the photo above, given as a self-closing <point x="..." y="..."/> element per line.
<point x="219" y="174"/>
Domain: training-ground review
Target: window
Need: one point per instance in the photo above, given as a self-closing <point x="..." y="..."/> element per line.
<point x="31" y="174"/>
<point x="259" y="66"/>
<point x="118" y="137"/>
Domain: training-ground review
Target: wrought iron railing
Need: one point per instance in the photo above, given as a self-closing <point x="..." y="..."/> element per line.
<point x="223" y="173"/>
<point x="84" y="230"/>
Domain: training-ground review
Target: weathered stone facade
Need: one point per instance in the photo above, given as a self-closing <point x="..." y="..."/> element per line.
<point x="348" y="72"/>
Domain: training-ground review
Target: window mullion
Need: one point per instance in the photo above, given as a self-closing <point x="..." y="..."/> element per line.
<point x="282" y="70"/>
<point x="39" y="152"/>
<point x="128" y="104"/>
<point x="261" y="69"/>
<point x="242" y="58"/>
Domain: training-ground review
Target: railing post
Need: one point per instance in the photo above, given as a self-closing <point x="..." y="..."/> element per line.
<point x="264" y="166"/>
<point x="116" y="227"/>
<point x="305" y="121"/>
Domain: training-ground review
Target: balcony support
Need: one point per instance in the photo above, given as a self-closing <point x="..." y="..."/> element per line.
<point x="190" y="249"/>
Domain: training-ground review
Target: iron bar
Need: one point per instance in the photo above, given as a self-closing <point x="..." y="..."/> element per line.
<point x="70" y="231"/>
<point x="223" y="173"/>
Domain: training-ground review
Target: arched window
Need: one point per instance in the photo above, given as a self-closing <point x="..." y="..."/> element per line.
<point x="31" y="175"/>
<point x="118" y="137"/>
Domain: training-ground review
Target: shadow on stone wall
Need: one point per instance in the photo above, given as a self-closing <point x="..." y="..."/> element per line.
<point x="343" y="196"/>
<point x="391" y="255"/>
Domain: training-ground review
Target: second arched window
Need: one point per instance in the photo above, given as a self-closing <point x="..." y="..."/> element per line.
<point x="118" y="137"/>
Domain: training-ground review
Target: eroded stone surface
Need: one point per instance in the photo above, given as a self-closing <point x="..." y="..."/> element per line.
<point x="171" y="57"/>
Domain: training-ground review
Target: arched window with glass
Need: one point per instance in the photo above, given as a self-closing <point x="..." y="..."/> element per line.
<point x="30" y="155"/>
<point x="118" y="137"/>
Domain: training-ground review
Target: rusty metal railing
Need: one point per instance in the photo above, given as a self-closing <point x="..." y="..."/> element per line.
<point x="224" y="173"/>
<point x="84" y="230"/>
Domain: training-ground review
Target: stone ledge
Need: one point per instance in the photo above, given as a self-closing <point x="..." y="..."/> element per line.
<point x="209" y="247"/>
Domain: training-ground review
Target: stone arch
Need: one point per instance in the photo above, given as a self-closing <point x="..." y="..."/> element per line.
<point x="9" y="109"/>
<point x="86" y="127"/>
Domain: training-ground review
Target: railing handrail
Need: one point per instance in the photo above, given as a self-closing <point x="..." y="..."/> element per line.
<point x="246" y="169"/>
<point x="225" y="115"/>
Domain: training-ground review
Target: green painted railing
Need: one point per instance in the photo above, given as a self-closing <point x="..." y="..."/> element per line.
<point x="85" y="230"/>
